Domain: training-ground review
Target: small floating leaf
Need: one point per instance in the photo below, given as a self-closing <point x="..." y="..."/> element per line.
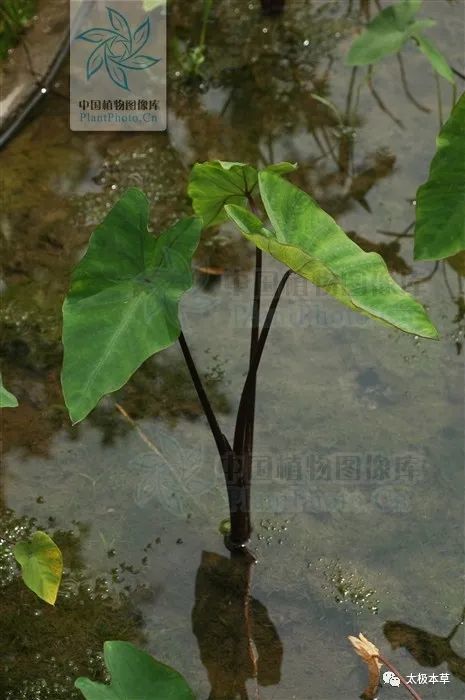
<point x="41" y="565"/>
<point x="135" y="675"/>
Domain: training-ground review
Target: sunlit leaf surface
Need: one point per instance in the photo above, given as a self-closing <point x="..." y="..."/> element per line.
<point x="216" y="183"/>
<point x="307" y="240"/>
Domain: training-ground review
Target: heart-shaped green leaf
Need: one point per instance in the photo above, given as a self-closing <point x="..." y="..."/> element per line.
<point x="41" y="565"/>
<point x="7" y="400"/>
<point x="309" y="241"/>
<point x="135" y="675"/>
<point x="122" y="306"/>
<point x="216" y="183"/>
<point x="440" y="213"/>
<point x="385" y="34"/>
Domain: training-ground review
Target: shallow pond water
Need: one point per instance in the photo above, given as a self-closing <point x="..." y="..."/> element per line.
<point x="358" y="496"/>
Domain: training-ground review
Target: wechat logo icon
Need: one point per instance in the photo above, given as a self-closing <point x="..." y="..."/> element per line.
<point x="118" y="48"/>
<point x="390" y="678"/>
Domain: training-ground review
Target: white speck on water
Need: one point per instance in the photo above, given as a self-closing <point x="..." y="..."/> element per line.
<point x="307" y="42"/>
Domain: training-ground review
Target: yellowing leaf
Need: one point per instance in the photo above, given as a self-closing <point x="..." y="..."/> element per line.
<point x="41" y="565"/>
<point x="370" y="655"/>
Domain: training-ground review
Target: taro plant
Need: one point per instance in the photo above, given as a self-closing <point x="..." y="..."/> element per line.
<point x="122" y="306"/>
<point x="388" y="33"/>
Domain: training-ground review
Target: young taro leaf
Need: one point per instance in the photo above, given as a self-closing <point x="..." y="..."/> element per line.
<point x="434" y="56"/>
<point x="309" y="242"/>
<point x="388" y="33"/>
<point x="122" y="306"/>
<point x="135" y="675"/>
<point x="216" y="183"/>
<point x="41" y="565"/>
<point x="440" y="211"/>
<point x="385" y="34"/>
<point x="7" y="400"/>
